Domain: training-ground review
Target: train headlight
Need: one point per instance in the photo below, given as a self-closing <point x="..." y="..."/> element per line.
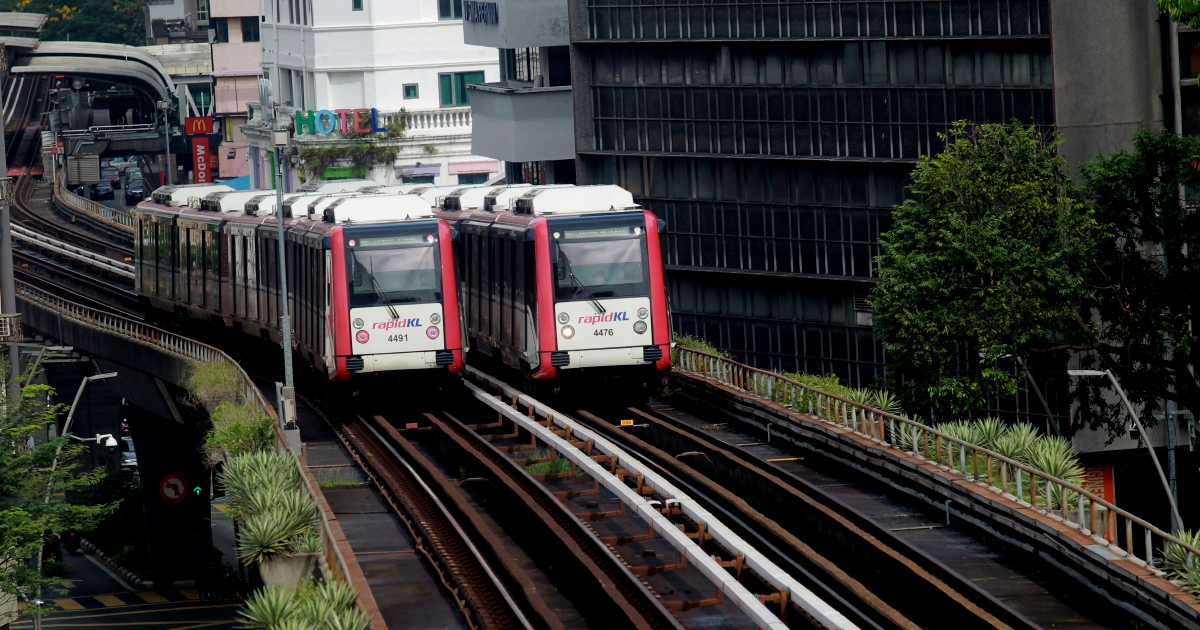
<point x="639" y="327"/>
<point x="643" y="313"/>
<point x="435" y="319"/>
<point x="358" y="322"/>
<point x="432" y="332"/>
<point x="567" y="332"/>
<point x="563" y="318"/>
<point x="362" y="336"/>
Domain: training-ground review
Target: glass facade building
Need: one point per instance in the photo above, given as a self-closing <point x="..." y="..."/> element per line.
<point x="775" y="138"/>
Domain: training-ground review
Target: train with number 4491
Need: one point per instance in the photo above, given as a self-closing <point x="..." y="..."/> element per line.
<point x="562" y="283"/>
<point x="370" y="283"/>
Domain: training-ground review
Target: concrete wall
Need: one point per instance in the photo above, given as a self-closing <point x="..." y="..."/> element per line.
<point x="233" y="8"/>
<point x="522" y="24"/>
<point x="1108" y="78"/>
<point x="523" y="125"/>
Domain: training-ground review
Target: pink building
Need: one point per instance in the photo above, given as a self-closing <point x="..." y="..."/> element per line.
<point x="236" y="55"/>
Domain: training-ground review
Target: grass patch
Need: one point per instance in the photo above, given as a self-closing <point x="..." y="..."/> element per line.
<point x="215" y="380"/>
<point x="552" y="467"/>
<point x="342" y="477"/>
<point x="238" y="428"/>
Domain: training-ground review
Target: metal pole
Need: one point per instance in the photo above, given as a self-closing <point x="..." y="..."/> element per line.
<point x="287" y="401"/>
<point x="1051" y="421"/>
<point x="8" y="286"/>
<point x="168" y="170"/>
<point x="1153" y="456"/>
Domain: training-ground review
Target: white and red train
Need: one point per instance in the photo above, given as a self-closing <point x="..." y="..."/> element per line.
<point x="386" y="282"/>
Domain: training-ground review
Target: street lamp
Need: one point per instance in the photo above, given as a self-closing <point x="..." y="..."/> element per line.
<point x="37" y="620"/>
<point x="107" y="438"/>
<point x="1142" y="431"/>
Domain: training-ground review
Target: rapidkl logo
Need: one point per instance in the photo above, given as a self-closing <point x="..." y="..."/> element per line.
<point x="399" y="323"/>
<point x="607" y="317"/>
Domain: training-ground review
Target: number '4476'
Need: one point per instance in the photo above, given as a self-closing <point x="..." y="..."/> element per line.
<point x="602" y="332"/>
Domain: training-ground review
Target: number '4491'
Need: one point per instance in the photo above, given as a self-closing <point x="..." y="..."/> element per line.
<point x="397" y="337"/>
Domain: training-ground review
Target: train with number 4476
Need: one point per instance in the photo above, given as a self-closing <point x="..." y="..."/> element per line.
<point x="370" y="284"/>
<point x="562" y="283"/>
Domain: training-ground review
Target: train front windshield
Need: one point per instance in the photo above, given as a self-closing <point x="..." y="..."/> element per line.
<point x="393" y="268"/>
<point x="600" y="261"/>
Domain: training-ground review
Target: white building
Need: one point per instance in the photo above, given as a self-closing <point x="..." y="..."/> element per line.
<point x="403" y="58"/>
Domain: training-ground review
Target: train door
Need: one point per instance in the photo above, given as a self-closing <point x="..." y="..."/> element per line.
<point x="252" y="262"/>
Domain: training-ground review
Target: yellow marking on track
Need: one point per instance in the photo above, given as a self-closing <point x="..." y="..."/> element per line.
<point x="68" y="604"/>
<point x="189" y="593"/>
<point x="109" y="600"/>
<point x="151" y="597"/>
<point x="783" y="459"/>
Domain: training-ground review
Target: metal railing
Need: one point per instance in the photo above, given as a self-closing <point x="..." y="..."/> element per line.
<point x="103" y="212"/>
<point x="1054" y="497"/>
<point x="196" y="351"/>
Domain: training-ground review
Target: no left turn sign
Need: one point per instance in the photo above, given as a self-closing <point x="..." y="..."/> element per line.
<point x="172" y="488"/>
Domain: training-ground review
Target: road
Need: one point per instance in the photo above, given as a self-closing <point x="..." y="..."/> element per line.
<point x="97" y="598"/>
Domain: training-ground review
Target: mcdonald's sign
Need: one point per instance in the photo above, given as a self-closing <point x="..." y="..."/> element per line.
<point x="202" y="161"/>
<point x="198" y="125"/>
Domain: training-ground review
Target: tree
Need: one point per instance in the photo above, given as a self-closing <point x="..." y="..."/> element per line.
<point x="25" y="479"/>
<point x="1142" y="276"/>
<point x="979" y="267"/>
<point x="112" y="21"/>
<point x="1182" y="11"/>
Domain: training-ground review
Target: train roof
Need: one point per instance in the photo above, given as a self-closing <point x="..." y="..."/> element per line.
<point x="377" y="209"/>
<point x="433" y="195"/>
<point x="473" y="197"/>
<point x="263" y="204"/>
<point x="337" y="185"/>
<point x="184" y="194"/>
<point x="543" y="200"/>
<point x="393" y="189"/>
<point x="230" y="200"/>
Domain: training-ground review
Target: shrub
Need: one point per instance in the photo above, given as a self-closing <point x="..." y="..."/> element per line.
<point x="988" y="431"/>
<point x="695" y="343"/>
<point x="330" y="605"/>
<point x="255" y="480"/>
<point x="271" y="533"/>
<point x="1174" y="558"/>
<point x="1017" y="443"/>
<point x="884" y="400"/>
<point x="214" y="380"/>
<point x="238" y="428"/>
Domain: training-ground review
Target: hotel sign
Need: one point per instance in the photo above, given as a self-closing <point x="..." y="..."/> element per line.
<point x="326" y="121"/>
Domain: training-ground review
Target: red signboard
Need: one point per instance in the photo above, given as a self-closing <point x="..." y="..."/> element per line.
<point x="1098" y="479"/>
<point x="201" y="161"/>
<point x="172" y="488"/>
<point x="198" y="125"/>
<point x="56" y="148"/>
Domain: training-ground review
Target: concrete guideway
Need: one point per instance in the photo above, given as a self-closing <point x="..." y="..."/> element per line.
<point x="862" y="443"/>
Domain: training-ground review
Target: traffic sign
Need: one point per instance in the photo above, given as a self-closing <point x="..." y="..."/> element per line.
<point x="173" y="488"/>
<point x="56" y="147"/>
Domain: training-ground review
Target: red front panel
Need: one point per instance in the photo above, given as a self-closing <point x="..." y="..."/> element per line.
<point x="451" y="313"/>
<point x="659" y="317"/>
<point x="339" y="318"/>
<point x="544" y="286"/>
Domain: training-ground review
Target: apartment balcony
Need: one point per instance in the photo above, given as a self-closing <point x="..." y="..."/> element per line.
<point x="517" y="122"/>
<point x="517" y="24"/>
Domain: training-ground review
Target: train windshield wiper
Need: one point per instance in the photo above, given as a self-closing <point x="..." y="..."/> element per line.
<point x="375" y="285"/>
<point x="571" y="272"/>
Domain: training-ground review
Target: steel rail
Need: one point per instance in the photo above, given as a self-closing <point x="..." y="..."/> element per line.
<point x="43" y="242"/>
<point x="815" y="607"/>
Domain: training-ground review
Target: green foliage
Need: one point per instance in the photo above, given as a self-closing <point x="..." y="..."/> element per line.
<point x="1182" y="11"/>
<point x="695" y="343"/>
<point x="988" y="432"/>
<point x="214" y="381"/>
<point x="884" y="400"/>
<point x="257" y="480"/>
<point x="238" y="428"/>
<point x="979" y="266"/>
<point x="271" y="533"/>
<point x="330" y="605"/>
<point x="1143" y="276"/>
<point x="552" y="467"/>
<point x="317" y="159"/>
<point x="1018" y="443"/>
<point x="1174" y="558"/>
<point x="112" y="21"/>
<point x="27" y="477"/>
<point x="263" y="493"/>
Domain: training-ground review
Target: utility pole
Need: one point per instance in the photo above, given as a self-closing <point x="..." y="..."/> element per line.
<point x="168" y="169"/>
<point x="279" y="138"/>
<point x="8" y="285"/>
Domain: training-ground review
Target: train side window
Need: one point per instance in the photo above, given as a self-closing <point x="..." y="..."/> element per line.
<point x="212" y="276"/>
<point x="518" y="285"/>
<point x="251" y="259"/>
<point x="505" y="292"/>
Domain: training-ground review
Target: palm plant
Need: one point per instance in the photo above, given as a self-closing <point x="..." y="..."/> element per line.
<point x="988" y="431"/>
<point x="886" y="401"/>
<point x="960" y="429"/>
<point x="1174" y="559"/>
<point x="271" y="533"/>
<point x="1017" y="442"/>
<point x="1055" y="457"/>
<point x="269" y="608"/>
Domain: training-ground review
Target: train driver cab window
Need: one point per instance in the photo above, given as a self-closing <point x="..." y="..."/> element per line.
<point x="393" y="269"/>
<point x="601" y="262"/>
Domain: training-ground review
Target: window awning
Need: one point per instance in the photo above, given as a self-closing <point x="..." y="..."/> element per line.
<point x="471" y="168"/>
<point x="422" y="170"/>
